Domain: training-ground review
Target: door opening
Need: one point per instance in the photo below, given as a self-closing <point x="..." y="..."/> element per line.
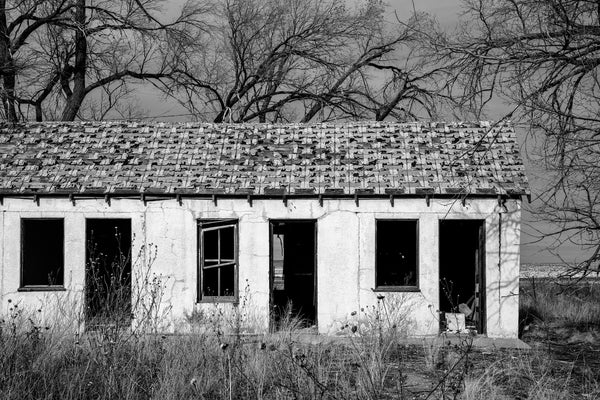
<point x="108" y="273"/>
<point x="293" y="294"/>
<point x="462" y="275"/>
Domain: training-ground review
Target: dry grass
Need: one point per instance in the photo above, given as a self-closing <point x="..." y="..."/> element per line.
<point x="531" y="375"/>
<point x="561" y="303"/>
<point x="371" y="362"/>
<point x="123" y="364"/>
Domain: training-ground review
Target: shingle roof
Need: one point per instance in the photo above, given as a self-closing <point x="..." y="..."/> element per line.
<point x="365" y="158"/>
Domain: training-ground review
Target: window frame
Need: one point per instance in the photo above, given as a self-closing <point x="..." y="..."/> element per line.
<point x="215" y="224"/>
<point x="39" y="288"/>
<point x="402" y="288"/>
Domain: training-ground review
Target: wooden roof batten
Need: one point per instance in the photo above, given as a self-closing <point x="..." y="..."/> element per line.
<point x="178" y="197"/>
<point x="356" y="161"/>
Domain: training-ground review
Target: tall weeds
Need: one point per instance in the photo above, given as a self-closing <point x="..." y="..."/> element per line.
<point x="554" y="302"/>
<point x="369" y="361"/>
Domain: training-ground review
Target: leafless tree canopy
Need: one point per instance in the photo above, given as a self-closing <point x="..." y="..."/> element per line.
<point x="55" y="53"/>
<point x="544" y="56"/>
<point x="223" y="60"/>
<point x="306" y="60"/>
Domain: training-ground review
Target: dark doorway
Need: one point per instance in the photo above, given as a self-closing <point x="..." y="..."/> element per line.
<point x="292" y="276"/>
<point x="108" y="272"/>
<point x="462" y="267"/>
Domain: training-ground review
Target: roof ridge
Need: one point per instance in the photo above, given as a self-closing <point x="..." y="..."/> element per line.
<point x="168" y="124"/>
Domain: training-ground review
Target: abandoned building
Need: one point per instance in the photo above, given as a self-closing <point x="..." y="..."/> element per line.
<point x="317" y="221"/>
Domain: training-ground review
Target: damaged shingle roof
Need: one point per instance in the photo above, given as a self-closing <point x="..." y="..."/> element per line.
<point x="350" y="158"/>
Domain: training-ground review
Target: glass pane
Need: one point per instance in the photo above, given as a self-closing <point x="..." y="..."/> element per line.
<point x="396" y="253"/>
<point x="211" y="243"/>
<point x="227" y="243"/>
<point x="210" y="283"/>
<point x="227" y="281"/>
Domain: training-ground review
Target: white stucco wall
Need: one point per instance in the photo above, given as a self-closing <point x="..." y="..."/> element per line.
<point x="345" y="256"/>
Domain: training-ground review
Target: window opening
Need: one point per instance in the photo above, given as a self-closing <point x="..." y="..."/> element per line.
<point x="396" y="265"/>
<point x="42" y="252"/>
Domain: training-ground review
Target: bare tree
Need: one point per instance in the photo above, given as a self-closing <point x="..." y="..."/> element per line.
<point x="544" y="58"/>
<point x="304" y="60"/>
<point x="19" y="21"/>
<point x="229" y="60"/>
<point x="56" y="53"/>
<point x="391" y="76"/>
<point x="117" y="99"/>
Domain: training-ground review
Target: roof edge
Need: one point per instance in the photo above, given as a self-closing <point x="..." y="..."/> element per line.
<point x="166" y="196"/>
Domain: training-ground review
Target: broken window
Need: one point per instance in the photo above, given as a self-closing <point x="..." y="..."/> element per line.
<point x="397" y="254"/>
<point x="218" y="260"/>
<point x="42" y="252"/>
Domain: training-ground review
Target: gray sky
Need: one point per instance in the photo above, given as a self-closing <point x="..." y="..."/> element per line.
<point x="444" y="9"/>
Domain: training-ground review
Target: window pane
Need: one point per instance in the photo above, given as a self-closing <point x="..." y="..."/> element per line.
<point x="211" y="243"/>
<point x="227" y="281"/>
<point x="210" y="283"/>
<point x="396" y="253"/>
<point x="42" y="250"/>
<point x="227" y="243"/>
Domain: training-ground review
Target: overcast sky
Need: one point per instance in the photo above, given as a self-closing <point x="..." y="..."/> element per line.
<point x="446" y="10"/>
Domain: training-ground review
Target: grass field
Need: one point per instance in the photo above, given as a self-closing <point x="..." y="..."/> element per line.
<point x="562" y="325"/>
<point x="561" y="321"/>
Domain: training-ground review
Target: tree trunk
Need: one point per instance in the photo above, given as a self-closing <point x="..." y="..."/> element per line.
<point x="75" y="99"/>
<point x="7" y="68"/>
<point x="8" y="93"/>
<point x="39" y="115"/>
<point x="219" y="118"/>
